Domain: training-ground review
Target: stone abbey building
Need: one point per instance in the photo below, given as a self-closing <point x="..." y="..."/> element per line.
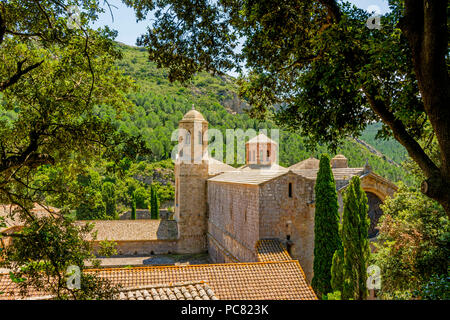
<point x="255" y="222"/>
<point x="227" y="210"/>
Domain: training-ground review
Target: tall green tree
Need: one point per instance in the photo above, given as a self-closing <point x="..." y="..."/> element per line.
<point x="320" y="61"/>
<point x="355" y="226"/>
<point x="326" y="227"/>
<point x="109" y="199"/>
<point x="140" y="195"/>
<point x="133" y="208"/>
<point x="154" y="203"/>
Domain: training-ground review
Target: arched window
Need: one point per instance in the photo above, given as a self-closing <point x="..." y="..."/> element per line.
<point x="290" y="190"/>
<point x="200" y="138"/>
<point x="188" y="138"/>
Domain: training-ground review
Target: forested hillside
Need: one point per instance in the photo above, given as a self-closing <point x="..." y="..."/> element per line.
<point x="161" y="104"/>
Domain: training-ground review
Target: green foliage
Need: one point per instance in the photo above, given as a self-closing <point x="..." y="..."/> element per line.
<point x="413" y="244"/>
<point x="109" y="199"/>
<point x="53" y="81"/>
<point x="437" y="288"/>
<point x="326" y="227"/>
<point x="389" y="147"/>
<point x="336" y="295"/>
<point x="337" y="271"/>
<point x="133" y="208"/>
<point x="355" y="226"/>
<point x="317" y="69"/>
<point x="154" y="203"/>
<point x="296" y="58"/>
<point x="107" y="248"/>
<point x="140" y="196"/>
<point x="42" y="252"/>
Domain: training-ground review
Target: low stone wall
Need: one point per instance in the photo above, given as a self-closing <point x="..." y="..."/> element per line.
<point x="217" y="253"/>
<point x="237" y="249"/>
<point x="191" y="244"/>
<point x="143" y="247"/>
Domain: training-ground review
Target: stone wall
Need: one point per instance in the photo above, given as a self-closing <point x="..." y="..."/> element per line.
<point x="143" y="247"/>
<point x="191" y="244"/>
<point x="190" y="206"/>
<point x="290" y="219"/>
<point x="233" y="219"/>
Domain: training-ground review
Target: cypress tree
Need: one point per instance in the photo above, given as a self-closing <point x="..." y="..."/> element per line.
<point x="326" y="227"/>
<point x="133" y="208"/>
<point x="355" y="226"/>
<point x="337" y="274"/>
<point x="154" y="203"/>
<point x="109" y="198"/>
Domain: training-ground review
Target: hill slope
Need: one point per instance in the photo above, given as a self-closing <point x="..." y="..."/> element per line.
<point x="161" y="104"/>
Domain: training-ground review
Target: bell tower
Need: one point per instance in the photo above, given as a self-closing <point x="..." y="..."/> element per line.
<point x="261" y="150"/>
<point x="191" y="173"/>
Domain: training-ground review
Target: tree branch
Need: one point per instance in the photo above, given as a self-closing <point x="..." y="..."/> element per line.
<point x="19" y="73"/>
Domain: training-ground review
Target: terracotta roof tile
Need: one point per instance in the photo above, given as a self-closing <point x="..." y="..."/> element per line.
<point x="338" y="173"/>
<point x="311" y="163"/>
<point x="261" y="138"/>
<point x="271" y="250"/>
<point x="253" y="177"/>
<point x="281" y="280"/>
<point x="12" y="218"/>
<point x="177" y="291"/>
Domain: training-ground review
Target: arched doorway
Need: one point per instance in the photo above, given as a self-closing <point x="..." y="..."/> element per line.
<point x="374" y="213"/>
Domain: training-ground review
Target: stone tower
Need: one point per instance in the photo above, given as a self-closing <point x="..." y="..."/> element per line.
<point x="191" y="173"/>
<point x="261" y="150"/>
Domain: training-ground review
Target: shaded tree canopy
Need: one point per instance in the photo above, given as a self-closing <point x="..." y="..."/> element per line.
<point x="53" y="73"/>
<point x="318" y="68"/>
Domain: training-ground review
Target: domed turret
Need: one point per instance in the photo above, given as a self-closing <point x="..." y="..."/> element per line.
<point x="339" y="161"/>
<point x="261" y="150"/>
<point x="192" y="137"/>
<point x="193" y="115"/>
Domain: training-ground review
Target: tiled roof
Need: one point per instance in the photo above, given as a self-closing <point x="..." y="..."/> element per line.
<point x="253" y="177"/>
<point x="261" y="138"/>
<point x="338" y="173"/>
<point x="266" y="167"/>
<point x="178" y="291"/>
<point x="215" y="166"/>
<point x="271" y="250"/>
<point x="311" y="163"/>
<point x="134" y="230"/>
<point x="12" y="219"/>
<point x="280" y="280"/>
<point x="375" y="176"/>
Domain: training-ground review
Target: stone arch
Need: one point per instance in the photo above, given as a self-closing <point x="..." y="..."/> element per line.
<point x="381" y="195"/>
<point x="374" y="212"/>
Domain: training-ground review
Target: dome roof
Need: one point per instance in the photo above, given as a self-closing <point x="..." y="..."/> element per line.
<point x="339" y="161"/>
<point x="261" y="138"/>
<point x="311" y="163"/>
<point x="193" y="115"/>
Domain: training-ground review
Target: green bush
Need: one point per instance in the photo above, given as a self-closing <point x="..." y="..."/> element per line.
<point x="413" y="244"/>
